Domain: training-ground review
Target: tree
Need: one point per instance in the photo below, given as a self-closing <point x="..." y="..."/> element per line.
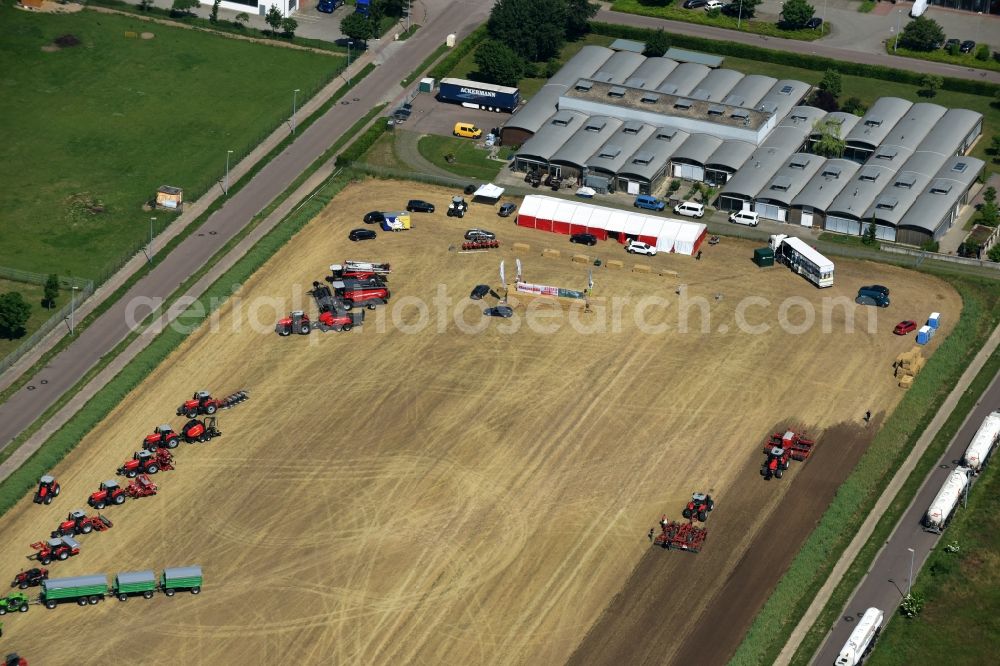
<point x="870" y="234"/>
<point x="534" y="30"/>
<point x="994" y="254"/>
<point x="795" y="13"/>
<point x="930" y="84"/>
<point x="288" y="26"/>
<point x="144" y="5"/>
<point x="922" y="34"/>
<point x="214" y="16"/>
<point x="829" y="144"/>
<point x="995" y="147"/>
<point x="832" y="83"/>
<point x="498" y="64"/>
<point x="241" y="20"/>
<point x="274" y="18"/>
<point x="51" y="292"/>
<point x="983" y="53"/>
<point x="855" y="106"/>
<point x="183" y="7"/>
<point x="749" y="7"/>
<point x="822" y="99"/>
<point x="989" y="214"/>
<point x="14" y="313"/>
<point x="356" y="27"/>
<point x="392" y="7"/>
<point x="657" y="44"/>
<point x="578" y="15"/>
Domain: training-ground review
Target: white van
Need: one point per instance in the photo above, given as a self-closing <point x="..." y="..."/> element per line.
<point x="747" y="217"/>
<point x="690" y="208"/>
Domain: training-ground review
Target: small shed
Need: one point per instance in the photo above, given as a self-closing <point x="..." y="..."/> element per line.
<point x="683" y="55"/>
<point x="488" y="193"/>
<point x="629" y="45"/>
<point x="170" y="198"/>
<point x="426" y="85"/>
<point x="763" y="257"/>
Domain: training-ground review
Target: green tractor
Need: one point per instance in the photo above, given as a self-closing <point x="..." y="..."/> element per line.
<point x="15" y="601"/>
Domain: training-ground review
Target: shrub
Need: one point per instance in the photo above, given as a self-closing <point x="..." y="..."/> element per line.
<point x="911" y="605"/>
<point x="983" y="53"/>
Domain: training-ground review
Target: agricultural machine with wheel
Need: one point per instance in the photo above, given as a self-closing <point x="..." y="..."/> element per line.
<point x="699" y="507"/>
<point x="203" y="403"/>
<point x="146" y="462"/>
<point x="298" y="322"/>
<point x="78" y="522"/>
<point x="13" y="659"/>
<point x="200" y="431"/>
<point x="15" y="601"/>
<point x="480" y="244"/>
<point x="325" y="300"/>
<point x="30" y="578"/>
<point x="781" y="449"/>
<point x="109" y="492"/>
<point x="680" y="536"/>
<point x="59" y="548"/>
<point x="457" y="207"/>
<point x="48" y="490"/>
<point x="358" y="270"/>
<point x="163" y="437"/>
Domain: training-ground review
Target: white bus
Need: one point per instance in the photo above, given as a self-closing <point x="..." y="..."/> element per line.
<point x="803" y="259"/>
<point x="918" y="8"/>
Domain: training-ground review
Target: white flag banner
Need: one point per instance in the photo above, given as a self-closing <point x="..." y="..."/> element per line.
<point x="503" y="279"/>
<point x="518" y="262"/>
<point x="590" y="280"/>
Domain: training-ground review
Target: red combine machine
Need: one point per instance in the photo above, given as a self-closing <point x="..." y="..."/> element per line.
<point x="147" y="462"/>
<point x="78" y="522"/>
<point x="200" y="431"/>
<point x="30" y="578"/>
<point x="781" y="449"/>
<point x="59" y="548"/>
<point x="680" y="536"/>
<point x="48" y="490"/>
<point x="336" y="320"/>
<point x="163" y="437"/>
<point x="699" y="507"/>
<point x="203" y="403"/>
<point x="359" y="270"/>
<point x="109" y="492"/>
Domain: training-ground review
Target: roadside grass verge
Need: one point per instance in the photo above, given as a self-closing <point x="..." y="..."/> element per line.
<point x="467" y="159"/>
<point x="959" y="621"/>
<point x="940" y="55"/>
<point x="675" y="12"/>
<point x="831" y="611"/>
<point x="89" y="171"/>
<point x="842" y="239"/>
<point x="849" y="508"/>
<point x="428" y="61"/>
<point x="33" y="294"/>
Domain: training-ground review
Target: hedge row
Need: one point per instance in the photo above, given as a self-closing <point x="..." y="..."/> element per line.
<point x="361" y="145"/>
<point x="443" y="68"/>
<point x="817" y="63"/>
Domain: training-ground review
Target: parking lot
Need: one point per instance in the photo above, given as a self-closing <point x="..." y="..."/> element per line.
<point x="433" y="117"/>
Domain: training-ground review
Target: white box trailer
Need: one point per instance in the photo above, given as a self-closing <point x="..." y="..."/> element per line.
<point x="983" y="443"/>
<point x="803" y="259"/>
<point x="942" y="508"/>
<point x="862" y="639"/>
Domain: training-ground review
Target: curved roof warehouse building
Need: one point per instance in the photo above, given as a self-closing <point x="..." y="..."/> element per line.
<point x="617" y="121"/>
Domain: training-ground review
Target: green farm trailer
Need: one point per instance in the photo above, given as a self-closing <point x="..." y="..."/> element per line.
<point x="181" y="578"/>
<point x="82" y="589"/>
<point x="129" y="583"/>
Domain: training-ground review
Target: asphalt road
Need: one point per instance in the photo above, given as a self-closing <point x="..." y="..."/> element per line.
<point x="886" y="582"/>
<point x="795" y="46"/>
<point x="46" y="386"/>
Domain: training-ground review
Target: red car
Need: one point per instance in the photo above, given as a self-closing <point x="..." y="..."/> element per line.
<point x="904" y="327"/>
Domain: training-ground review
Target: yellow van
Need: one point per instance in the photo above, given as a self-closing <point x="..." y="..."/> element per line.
<point x="467" y="130"/>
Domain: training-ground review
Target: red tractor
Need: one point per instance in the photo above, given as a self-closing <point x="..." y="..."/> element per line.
<point x="30" y="578"/>
<point x="108" y="493"/>
<point x="78" y="522"/>
<point x="781" y="449"/>
<point x="336" y="320"/>
<point x="699" y="507"/>
<point x="200" y="431"/>
<point x="13" y="659"/>
<point x="59" y="548"/>
<point x="163" y="437"/>
<point x="147" y="462"/>
<point x="48" y="490"/>
<point x="202" y="402"/>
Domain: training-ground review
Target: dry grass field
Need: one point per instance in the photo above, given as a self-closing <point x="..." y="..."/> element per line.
<point x="441" y="488"/>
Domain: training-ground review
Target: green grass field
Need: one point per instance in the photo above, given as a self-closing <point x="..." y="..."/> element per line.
<point x="675" y="12"/>
<point x="108" y="121"/>
<point x="33" y="295"/>
<point x="469" y="160"/>
<point x="961" y="617"/>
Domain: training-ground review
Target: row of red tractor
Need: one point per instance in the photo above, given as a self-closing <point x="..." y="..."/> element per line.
<point x="154" y="457"/>
<point x="352" y="284"/>
<point x="779" y="450"/>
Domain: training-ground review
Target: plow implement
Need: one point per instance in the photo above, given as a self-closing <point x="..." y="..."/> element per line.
<point x="480" y="245"/>
<point x="680" y="536"/>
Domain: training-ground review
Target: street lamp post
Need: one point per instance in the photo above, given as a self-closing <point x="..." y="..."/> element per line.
<point x="226" y="188"/>
<point x="909" y="581"/>
<point x="72" y="310"/>
<point x="295" y="96"/>
<point x="899" y="15"/>
<point x="739" y="16"/>
<point x="149" y="252"/>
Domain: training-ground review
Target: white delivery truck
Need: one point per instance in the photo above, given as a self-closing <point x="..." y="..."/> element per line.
<point x="942" y="508"/>
<point x="983" y="443"/>
<point x="862" y="639"/>
<point x="918" y="8"/>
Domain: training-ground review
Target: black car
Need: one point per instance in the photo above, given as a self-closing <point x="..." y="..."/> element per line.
<point x="479" y="291"/>
<point x="499" y="311"/>
<point x="967" y="46"/>
<point x="479" y="234"/>
<point x="418" y="206"/>
<point x="583" y="239"/>
<point x="374" y="217"/>
<point x="951" y="42"/>
<point x="694" y="4"/>
<point x="814" y="23"/>
<point x="877" y="287"/>
<point x="361" y="234"/>
<point x="507" y="209"/>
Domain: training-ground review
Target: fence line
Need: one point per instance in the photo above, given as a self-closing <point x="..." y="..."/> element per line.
<point x="968" y="261"/>
<point x="17" y="275"/>
<point x="55" y="320"/>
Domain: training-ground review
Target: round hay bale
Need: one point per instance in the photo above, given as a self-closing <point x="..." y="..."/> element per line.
<point x="147" y="35"/>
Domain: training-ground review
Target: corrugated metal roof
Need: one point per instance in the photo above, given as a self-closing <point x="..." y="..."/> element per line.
<point x="731" y="155"/>
<point x="651" y="73"/>
<point x="931" y="208"/>
<point x="683" y="55"/>
<point x="878" y="122"/>
<point x="544" y="144"/>
<point x="627" y="45"/>
<point x="828" y="182"/>
<point x="684" y="78"/>
<point x="750" y="90"/>
<point x="697" y="149"/>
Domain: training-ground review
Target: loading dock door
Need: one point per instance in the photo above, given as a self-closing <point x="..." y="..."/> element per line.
<point x="807" y="218"/>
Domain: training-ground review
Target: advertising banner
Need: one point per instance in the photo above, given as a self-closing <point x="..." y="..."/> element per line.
<point x="546" y="290"/>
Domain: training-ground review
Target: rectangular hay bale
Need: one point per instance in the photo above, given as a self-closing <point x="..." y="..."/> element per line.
<point x="641" y="268"/>
<point x="581" y="259"/>
<point x="666" y="273"/>
<point x="520" y="247"/>
<point x="906" y="382"/>
<point x="552" y="254"/>
<point x="615" y="264"/>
